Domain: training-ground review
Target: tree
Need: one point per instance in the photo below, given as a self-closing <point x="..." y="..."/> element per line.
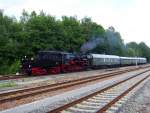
<point x="135" y="47"/>
<point x="145" y="50"/>
<point x="116" y="45"/>
<point x="8" y="27"/>
<point x="34" y="32"/>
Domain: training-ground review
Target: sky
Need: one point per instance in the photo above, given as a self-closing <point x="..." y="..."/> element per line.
<point x="129" y="17"/>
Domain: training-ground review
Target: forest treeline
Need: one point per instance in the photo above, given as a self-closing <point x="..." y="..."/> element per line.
<point x="34" y="32"/>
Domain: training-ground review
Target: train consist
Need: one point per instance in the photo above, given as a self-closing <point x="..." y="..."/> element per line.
<point x="53" y="62"/>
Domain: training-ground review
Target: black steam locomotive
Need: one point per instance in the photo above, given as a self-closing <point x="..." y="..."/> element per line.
<point x="54" y="62"/>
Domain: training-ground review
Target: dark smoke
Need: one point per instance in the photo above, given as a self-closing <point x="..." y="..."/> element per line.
<point x="91" y="44"/>
<point x="114" y="39"/>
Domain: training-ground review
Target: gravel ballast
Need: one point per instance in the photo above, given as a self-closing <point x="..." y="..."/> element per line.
<point x="139" y="102"/>
<point x="51" y="79"/>
<point x="49" y="103"/>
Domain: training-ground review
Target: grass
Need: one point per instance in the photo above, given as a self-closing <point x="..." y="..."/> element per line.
<point x="7" y="84"/>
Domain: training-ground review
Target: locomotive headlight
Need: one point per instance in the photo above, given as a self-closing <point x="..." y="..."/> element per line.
<point x="32" y="58"/>
<point x="89" y="56"/>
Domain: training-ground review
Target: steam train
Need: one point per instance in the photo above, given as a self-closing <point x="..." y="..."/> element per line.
<point x="54" y="62"/>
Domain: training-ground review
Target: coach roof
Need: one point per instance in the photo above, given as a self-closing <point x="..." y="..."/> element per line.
<point x="104" y="56"/>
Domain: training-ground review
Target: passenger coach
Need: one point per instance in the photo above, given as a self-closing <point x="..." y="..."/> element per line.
<point x="99" y="60"/>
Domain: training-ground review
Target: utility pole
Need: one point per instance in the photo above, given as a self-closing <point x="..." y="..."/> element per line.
<point x="136" y="61"/>
<point x="136" y="57"/>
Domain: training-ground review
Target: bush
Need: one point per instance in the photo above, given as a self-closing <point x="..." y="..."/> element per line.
<point x="10" y="69"/>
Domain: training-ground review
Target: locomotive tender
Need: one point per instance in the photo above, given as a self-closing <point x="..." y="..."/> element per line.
<point x="53" y="62"/>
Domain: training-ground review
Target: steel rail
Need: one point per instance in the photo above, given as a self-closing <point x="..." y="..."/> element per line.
<point x="11" y="77"/>
<point x="63" y="107"/>
<point x="106" y="107"/>
<point x="23" y="93"/>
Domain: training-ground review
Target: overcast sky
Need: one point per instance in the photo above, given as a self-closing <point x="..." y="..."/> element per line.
<point x="129" y="17"/>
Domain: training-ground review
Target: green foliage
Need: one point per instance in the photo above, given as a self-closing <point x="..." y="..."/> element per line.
<point x="141" y="50"/>
<point x="135" y="48"/>
<point x="144" y="50"/>
<point x="131" y="52"/>
<point x="34" y="32"/>
<point x="7" y="84"/>
<point x="116" y="45"/>
<point x="10" y="68"/>
<point x="14" y="67"/>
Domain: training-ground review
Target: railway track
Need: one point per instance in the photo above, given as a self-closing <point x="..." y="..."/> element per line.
<point x="103" y="100"/>
<point x="29" y="92"/>
<point x="11" y="77"/>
